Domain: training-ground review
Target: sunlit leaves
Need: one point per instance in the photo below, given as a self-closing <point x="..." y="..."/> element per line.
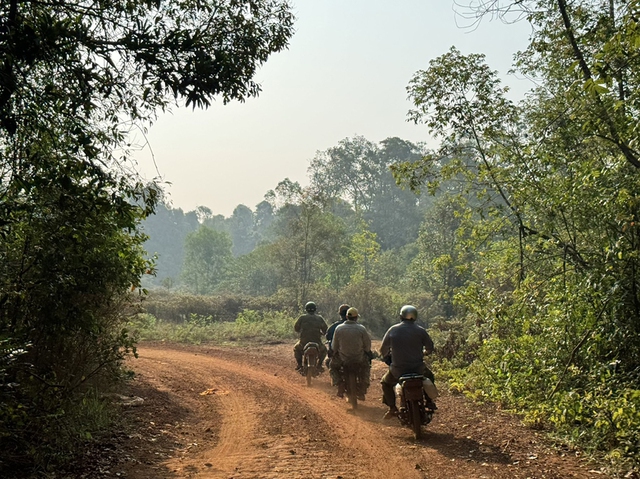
<point x="458" y="97"/>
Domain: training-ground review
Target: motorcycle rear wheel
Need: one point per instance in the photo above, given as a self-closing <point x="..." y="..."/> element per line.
<point x="310" y="361"/>
<point x="416" y="420"/>
<point x="352" y="386"/>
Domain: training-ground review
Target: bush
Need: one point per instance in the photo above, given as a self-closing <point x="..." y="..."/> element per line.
<point x="178" y="307"/>
<point x="600" y="419"/>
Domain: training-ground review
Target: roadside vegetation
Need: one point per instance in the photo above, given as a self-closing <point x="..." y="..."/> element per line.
<point x="76" y="78"/>
<point x="249" y="326"/>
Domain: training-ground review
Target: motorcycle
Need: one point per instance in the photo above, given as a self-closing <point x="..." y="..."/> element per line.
<point x="416" y="408"/>
<point x="310" y="361"/>
<point x="351" y="381"/>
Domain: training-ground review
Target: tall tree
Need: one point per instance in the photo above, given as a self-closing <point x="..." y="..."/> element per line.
<point x="242" y="230"/>
<point x="349" y="170"/>
<point x="308" y="236"/>
<point x="264" y="217"/>
<point x="555" y="295"/>
<point x="207" y="256"/>
<point x="358" y="170"/>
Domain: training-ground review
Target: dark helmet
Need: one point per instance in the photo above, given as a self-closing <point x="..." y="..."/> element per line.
<point x="409" y="312"/>
<point x="342" y="310"/>
<point x="310" y="307"/>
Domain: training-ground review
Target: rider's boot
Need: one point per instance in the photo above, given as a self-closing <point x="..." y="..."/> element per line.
<point x="299" y="366"/>
<point x="392" y="412"/>
<point x="361" y="392"/>
<point x="340" y="390"/>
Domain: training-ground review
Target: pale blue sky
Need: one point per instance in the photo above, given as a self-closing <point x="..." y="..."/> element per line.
<point x="345" y="74"/>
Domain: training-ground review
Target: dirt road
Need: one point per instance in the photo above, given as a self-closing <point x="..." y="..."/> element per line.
<point x="212" y="412"/>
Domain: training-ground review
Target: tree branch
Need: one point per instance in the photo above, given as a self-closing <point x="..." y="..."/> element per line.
<point x="626" y="150"/>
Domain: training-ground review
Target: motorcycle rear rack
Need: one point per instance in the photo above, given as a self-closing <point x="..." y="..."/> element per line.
<point x="311" y="346"/>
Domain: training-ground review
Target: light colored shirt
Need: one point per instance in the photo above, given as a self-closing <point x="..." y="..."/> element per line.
<point x="351" y="341"/>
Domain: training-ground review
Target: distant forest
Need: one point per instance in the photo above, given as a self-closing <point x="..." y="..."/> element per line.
<point x="353" y="222"/>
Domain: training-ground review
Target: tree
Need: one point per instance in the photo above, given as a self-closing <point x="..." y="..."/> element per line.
<point x="439" y="266"/>
<point x="167" y="229"/>
<point x="207" y="256"/>
<point x="364" y="253"/>
<point x="264" y="217"/>
<point x="358" y="170"/>
<point x="130" y="55"/>
<point x="74" y="77"/>
<point x="554" y="292"/>
<point x="395" y="213"/>
<point x="349" y="170"/>
<point x="255" y="273"/>
<point x="241" y="228"/>
<point x="308" y="236"/>
<point x="70" y="256"/>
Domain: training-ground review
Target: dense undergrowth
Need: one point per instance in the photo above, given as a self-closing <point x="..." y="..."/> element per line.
<point x="550" y="368"/>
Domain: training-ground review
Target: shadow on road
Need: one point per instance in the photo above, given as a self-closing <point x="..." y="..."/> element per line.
<point x="462" y="448"/>
<point x="152" y="437"/>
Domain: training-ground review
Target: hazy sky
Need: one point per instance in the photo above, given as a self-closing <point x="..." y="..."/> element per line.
<point x="345" y="74"/>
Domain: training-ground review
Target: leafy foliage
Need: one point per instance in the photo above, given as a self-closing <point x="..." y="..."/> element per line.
<point x="75" y="77"/>
<point x="550" y="305"/>
<point x="206" y="259"/>
<point x="358" y="170"/>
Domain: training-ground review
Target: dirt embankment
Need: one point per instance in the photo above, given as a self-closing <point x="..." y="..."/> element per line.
<point x="211" y="412"/>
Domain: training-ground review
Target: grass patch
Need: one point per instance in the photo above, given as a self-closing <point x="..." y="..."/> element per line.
<point x="249" y="325"/>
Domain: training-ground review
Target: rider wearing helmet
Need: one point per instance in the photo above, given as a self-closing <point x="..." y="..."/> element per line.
<point x="311" y="327"/>
<point x="403" y="346"/>
<point x="351" y="346"/>
<point x="342" y="311"/>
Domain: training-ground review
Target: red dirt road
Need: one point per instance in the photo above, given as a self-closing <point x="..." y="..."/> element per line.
<point x="212" y="412"/>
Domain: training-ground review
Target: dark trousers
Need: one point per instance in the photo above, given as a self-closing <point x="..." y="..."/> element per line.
<point x="364" y="369"/>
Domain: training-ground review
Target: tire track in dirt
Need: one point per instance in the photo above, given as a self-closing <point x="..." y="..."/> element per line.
<point x="205" y="393"/>
<point x="236" y="431"/>
<point x="352" y="456"/>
